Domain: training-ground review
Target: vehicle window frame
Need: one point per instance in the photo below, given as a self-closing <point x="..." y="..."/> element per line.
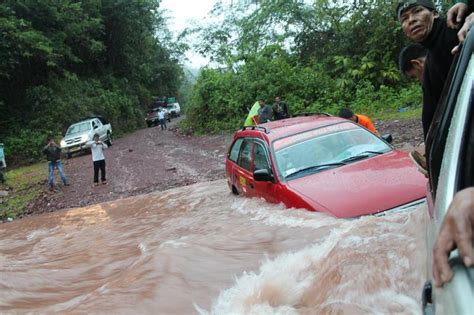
<point x="438" y="133"/>
<point x="258" y="142"/>
<point x="239" y="160"/>
<point x="466" y="164"/>
<point x="238" y="151"/>
<point x="282" y="178"/>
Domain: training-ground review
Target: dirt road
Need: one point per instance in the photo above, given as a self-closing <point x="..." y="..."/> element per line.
<point x="147" y="160"/>
<point x="154" y="160"/>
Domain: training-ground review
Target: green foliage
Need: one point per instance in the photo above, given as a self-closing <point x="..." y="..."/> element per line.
<point x="25" y="184"/>
<point x="318" y="56"/>
<point x="63" y="60"/>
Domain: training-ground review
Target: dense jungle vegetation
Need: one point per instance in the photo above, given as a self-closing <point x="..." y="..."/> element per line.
<point x="318" y="55"/>
<point x="61" y="60"/>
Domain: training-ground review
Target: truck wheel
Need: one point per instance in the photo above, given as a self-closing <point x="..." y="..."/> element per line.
<point x="109" y="139"/>
<point x="148" y="124"/>
<point x="69" y="155"/>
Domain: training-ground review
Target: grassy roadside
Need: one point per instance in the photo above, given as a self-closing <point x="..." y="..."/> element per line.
<point x="22" y="184"/>
<point x="409" y="114"/>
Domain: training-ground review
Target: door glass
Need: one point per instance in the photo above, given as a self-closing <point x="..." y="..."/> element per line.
<point x="234" y="152"/>
<point x="245" y="159"/>
<point x="260" y="158"/>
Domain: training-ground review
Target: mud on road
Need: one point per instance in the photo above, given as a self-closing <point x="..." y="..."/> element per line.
<point x="147" y="160"/>
<point x="154" y="160"/>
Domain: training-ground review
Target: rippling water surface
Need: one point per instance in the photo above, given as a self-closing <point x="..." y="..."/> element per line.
<point x="200" y="250"/>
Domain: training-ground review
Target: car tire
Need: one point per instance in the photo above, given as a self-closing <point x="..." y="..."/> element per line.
<point x="235" y="191"/>
<point x="69" y="155"/>
<point x="148" y="124"/>
<point x="109" y="141"/>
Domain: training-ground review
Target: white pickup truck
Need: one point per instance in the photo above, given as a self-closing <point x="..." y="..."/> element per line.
<point x="79" y="135"/>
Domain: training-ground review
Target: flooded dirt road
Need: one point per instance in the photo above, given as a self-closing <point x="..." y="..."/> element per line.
<point x="198" y="249"/>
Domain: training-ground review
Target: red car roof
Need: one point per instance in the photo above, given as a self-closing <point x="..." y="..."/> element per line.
<point x="290" y="126"/>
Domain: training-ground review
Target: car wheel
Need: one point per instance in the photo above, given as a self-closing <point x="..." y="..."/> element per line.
<point x="109" y="139"/>
<point x="69" y="155"/>
<point x="235" y="191"/>
<point x="148" y="124"/>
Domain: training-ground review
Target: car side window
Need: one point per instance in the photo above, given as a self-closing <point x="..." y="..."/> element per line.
<point x="245" y="157"/>
<point x="234" y="152"/>
<point x="94" y="125"/>
<point x="260" y="161"/>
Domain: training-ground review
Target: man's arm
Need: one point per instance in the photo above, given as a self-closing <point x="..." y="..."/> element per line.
<point x="456" y="232"/>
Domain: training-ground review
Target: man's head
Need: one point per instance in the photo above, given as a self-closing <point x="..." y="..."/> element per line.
<point x="51" y="139"/>
<point x="347" y="114"/>
<point x="96" y="137"/>
<point x="277" y="99"/>
<point x="261" y="101"/>
<point x="417" y="18"/>
<point x="412" y="61"/>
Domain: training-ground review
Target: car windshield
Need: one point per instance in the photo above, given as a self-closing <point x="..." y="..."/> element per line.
<point x="311" y="152"/>
<point x="78" y="128"/>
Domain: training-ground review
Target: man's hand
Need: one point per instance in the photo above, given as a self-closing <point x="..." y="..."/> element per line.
<point x="456" y="14"/>
<point x="456" y="232"/>
<point x="462" y="34"/>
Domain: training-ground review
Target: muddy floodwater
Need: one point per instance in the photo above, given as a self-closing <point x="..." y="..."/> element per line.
<point x="200" y="250"/>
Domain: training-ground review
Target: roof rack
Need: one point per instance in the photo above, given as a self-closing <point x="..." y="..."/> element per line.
<point x="254" y="127"/>
<point x="312" y="114"/>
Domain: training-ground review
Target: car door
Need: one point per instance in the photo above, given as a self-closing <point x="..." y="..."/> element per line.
<point x="261" y="160"/>
<point x="450" y="145"/>
<point x="243" y="173"/>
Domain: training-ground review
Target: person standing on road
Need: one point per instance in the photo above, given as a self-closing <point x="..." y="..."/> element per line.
<point x="161" y="119"/>
<point x="53" y="155"/>
<point x="98" y="160"/>
<point x="359" y="119"/>
<point x="264" y="113"/>
<point x="280" y="109"/>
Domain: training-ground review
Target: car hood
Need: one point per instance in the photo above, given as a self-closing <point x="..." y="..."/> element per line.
<point x="364" y="187"/>
<point x="75" y="135"/>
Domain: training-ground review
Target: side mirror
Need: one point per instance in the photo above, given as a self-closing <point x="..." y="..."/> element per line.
<point x="387" y="137"/>
<point x="263" y="175"/>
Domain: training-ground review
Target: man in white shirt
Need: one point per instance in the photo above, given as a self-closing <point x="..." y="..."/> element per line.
<point x="161" y="118"/>
<point x="98" y="159"/>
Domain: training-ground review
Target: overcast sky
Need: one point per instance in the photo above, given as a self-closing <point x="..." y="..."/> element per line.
<point x="182" y="13"/>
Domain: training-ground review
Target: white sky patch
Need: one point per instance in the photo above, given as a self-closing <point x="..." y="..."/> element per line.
<point x="181" y="14"/>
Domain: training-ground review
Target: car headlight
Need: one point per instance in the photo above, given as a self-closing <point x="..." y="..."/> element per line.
<point x="62" y="143"/>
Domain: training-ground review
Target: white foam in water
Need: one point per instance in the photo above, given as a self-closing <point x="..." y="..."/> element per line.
<point x="279" y="215"/>
<point x="351" y="270"/>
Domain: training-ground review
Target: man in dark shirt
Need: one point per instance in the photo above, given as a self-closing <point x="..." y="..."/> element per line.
<point x="280" y="109"/>
<point x="264" y="113"/>
<point x="422" y="23"/>
<point x="53" y="155"/>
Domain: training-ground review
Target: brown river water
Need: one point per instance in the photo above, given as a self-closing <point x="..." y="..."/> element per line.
<point x="200" y="250"/>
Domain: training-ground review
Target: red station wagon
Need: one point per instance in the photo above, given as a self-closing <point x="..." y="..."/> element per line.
<point x="322" y="163"/>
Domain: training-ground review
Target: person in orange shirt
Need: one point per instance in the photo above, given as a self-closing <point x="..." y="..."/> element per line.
<point x="358" y="118"/>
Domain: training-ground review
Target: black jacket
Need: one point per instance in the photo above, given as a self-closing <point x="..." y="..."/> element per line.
<point x="439" y="44"/>
<point x="280" y="110"/>
<point x="53" y="152"/>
